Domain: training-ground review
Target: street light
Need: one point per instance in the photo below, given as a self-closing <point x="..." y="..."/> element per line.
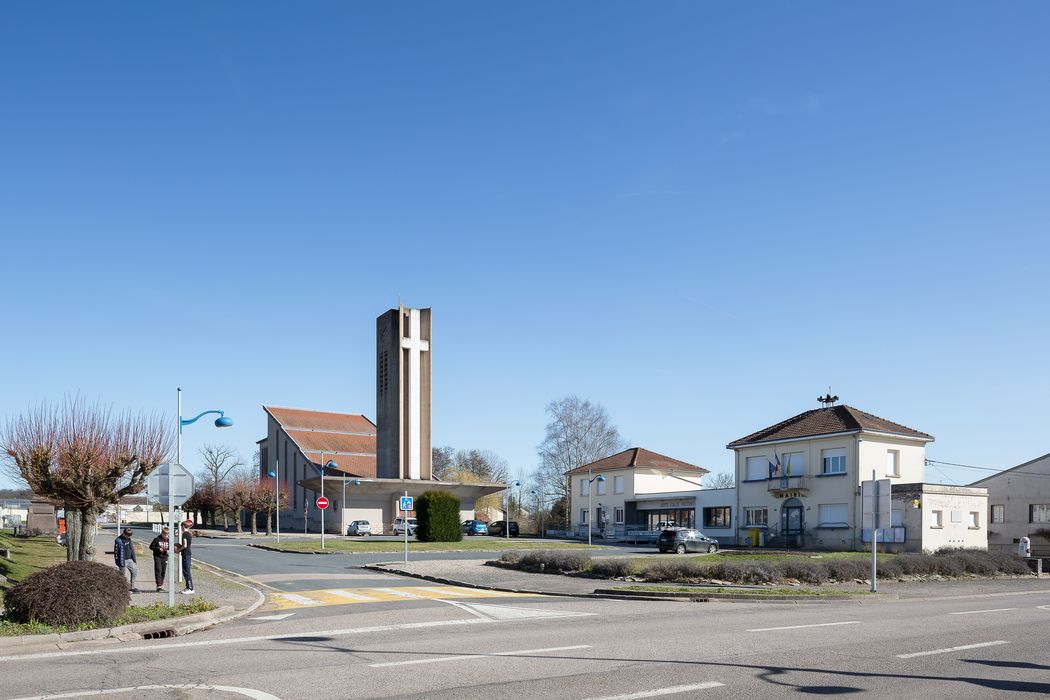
<point x="277" y="485"/>
<point x="330" y="465"/>
<point x="506" y="515"/>
<point x="590" y="514"/>
<point x="221" y="422"/>
<point x="539" y="507"/>
<point x="342" y="505"/>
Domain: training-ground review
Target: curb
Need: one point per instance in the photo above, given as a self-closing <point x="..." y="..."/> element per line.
<point x="268" y="548"/>
<point x="138" y="630"/>
<point x="464" y="584"/>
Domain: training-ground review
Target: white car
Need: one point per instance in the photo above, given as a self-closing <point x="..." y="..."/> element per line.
<point x="359" y="527"/>
<point x="399" y="526"/>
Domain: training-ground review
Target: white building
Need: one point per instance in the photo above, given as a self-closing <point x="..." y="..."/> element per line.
<point x="1019" y="505"/>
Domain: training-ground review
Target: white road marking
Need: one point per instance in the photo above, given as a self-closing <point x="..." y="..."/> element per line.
<point x="945" y="651"/>
<point x="673" y="690"/>
<point x="798" y="627"/>
<point x="246" y="692"/>
<point x="974" y="612"/>
<point x="394" y="591"/>
<point x="1043" y="607"/>
<point x="504" y="612"/>
<point x="352" y="596"/>
<point x="271" y="617"/>
<point x="300" y="599"/>
<point x="462" y="657"/>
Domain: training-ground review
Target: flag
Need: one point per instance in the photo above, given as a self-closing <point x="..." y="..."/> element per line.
<point x="774" y="467"/>
<point x="787" y="467"/>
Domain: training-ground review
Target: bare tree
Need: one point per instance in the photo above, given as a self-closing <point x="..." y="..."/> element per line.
<point x="721" y="480"/>
<point x="217" y="462"/>
<point x="264" y="500"/>
<point x="85" y="457"/>
<point x="579" y="432"/>
<point x="234" y="498"/>
<point x="475" y="467"/>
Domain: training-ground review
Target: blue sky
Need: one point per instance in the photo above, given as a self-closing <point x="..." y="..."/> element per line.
<point x="700" y="215"/>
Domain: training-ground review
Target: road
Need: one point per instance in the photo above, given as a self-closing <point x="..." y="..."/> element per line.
<point x="396" y="637"/>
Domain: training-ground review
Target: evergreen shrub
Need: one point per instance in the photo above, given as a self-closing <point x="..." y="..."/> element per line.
<point x="437" y="517"/>
<point x="69" y="594"/>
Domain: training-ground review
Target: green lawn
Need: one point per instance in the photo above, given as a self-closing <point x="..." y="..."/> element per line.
<point x="28" y="555"/>
<point x="135" y="613"/>
<point x="472" y="544"/>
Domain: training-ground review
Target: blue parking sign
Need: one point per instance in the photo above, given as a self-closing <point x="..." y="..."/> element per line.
<point x="406" y="503"/>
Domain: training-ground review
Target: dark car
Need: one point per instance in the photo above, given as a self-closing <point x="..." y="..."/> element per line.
<point x="496" y="529"/>
<point x="475" y="527"/>
<point x="682" y="540"/>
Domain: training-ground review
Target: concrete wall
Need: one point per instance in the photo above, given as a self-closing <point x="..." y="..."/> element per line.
<point x="954" y="527"/>
<point x="1016" y="490"/>
<point x="911" y="460"/>
<point x="716" y="498"/>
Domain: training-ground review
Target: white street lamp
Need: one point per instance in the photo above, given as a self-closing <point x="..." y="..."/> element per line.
<point x="590" y="512"/>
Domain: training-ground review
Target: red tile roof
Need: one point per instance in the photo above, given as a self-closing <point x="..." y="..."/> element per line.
<point x="348" y="439"/>
<point x="642" y="458"/>
<point x="826" y="421"/>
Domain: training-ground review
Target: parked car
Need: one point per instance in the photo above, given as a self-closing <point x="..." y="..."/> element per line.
<point x="475" y="527"/>
<point x="496" y="529"/>
<point x="684" y="540"/>
<point x="359" y="527"/>
<point x="399" y="526"/>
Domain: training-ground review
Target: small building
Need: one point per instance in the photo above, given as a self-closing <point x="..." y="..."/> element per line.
<point x="1019" y="505"/>
<point x="642" y="491"/>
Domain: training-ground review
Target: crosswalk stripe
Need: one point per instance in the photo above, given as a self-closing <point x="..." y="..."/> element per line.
<point x="401" y="593"/>
<point x="301" y="599"/>
<point x="352" y="596"/>
<point x="342" y="596"/>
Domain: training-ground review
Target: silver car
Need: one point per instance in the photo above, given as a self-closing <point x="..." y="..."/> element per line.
<point x="359" y="527"/>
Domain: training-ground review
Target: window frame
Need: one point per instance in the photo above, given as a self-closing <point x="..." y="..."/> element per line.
<point x="896" y="454"/>
<point x="618" y="515"/>
<point x="618" y="484"/>
<point x="826" y="459"/>
<point x="600" y="491"/>
<point x="828" y="523"/>
<point x="713" y="524"/>
<point x="751" y="511"/>
<point x="585" y="486"/>
<point x="1044" y="509"/>
<point x="997" y="514"/>
<point x="937" y="519"/>
<point x="584" y="515"/>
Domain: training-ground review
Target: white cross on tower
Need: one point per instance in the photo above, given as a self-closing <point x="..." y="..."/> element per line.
<point x="415" y="345"/>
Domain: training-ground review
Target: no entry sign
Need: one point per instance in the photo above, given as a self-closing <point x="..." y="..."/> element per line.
<point x="322" y="502"/>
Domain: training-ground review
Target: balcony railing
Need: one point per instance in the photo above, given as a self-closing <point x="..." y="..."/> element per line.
<point x="787" y="486"/>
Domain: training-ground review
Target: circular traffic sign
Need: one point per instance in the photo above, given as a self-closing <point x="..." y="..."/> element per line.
<point x="322" y="502"/>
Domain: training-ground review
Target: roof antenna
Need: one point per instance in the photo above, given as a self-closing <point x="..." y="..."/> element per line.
<point x="828" y="399"/>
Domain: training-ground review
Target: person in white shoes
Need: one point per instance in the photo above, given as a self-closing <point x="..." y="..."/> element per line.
<point x="186" y="550"/>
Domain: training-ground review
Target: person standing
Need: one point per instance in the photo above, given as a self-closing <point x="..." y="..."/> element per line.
<point x="159" y="547"/>
<point x="124" y="556"/>
<point x="186" y="550"/>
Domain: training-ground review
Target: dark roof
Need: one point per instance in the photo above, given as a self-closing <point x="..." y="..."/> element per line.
<point x="348" y="439"/>
<point x="639" y="457"/>
<point x="826" y="421"/>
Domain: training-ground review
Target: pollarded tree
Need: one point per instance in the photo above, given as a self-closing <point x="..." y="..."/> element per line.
<point x="265" y="498"/>
<point x="86" y="457"/>
<point x="234" y="497"/>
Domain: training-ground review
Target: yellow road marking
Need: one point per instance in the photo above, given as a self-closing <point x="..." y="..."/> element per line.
<point x="354" y="596"/>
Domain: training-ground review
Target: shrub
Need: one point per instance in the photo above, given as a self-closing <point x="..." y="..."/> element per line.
<point x="555" y="561"/>
<point x="437" y="517"/>
<point x="676" y="570"/>
<point x="69" y="594"/>
<point x="510" y="557"/>
<point x="805" y="571"/>
<point x="847" y="569"/>
<point x="611" y="568"/>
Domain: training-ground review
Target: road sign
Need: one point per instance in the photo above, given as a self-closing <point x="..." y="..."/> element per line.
<point x="157" y="485"/>
<point x="406" y="503"/>
<point x="322" y="502"/>
<point x="871" y="507"/>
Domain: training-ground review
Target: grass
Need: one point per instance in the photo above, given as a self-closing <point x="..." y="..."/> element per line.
<point x="135" y="613"/>
<point x="478" y="544"/>
<point x="759" y="558"/>
<point x="28" y="555"/>
<point x="738" y="591"/>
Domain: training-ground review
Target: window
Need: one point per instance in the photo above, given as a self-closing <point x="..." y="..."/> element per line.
<point x="793" y="464"/>
<point x="1039" y="513"/>
<point x="757" y="468"/>
<point x="833" y="515"/>
<point x="998" y="515"/>
<point x="618" y="515"/>
<point x="956" y="516"/>
<point x="601" y="487"/>
<point x="717" y="517"/>
<point x="936" y="518"/>
<point x="756" y="517"/>
<point x="585" y="486"/>
<point x="975" y="520"/>
<point x="583" y="516"/>
<point x="617" y="484"/>
<point x="896" y="518"/>
<point x="893" y="463"/>
<point x="834" y="460"/>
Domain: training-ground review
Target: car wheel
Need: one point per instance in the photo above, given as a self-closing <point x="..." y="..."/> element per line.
<point x="680" y="549"/>
<point x="712" y="548"/>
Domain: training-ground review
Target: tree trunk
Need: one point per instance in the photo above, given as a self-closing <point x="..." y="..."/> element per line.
<point x="87" y="533"/>
<point x="225" y="522"/>
<point x="238" y="518"/>
<point x="255" y="522"/>
<point x="269" y="523"/>
<point x="72" y="533"/>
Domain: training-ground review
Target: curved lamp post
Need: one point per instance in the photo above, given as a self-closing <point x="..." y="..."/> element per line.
<point x="342" y="506"/>
<point x="221" y="422"/>
<point x="277" y="498"/>
<point x="590" y="512"/>
<point x="539" y="507"/>
<point x="330" y="464"/>
<point x="506" y="514"/>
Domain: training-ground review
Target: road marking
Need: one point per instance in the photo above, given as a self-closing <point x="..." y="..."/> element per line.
<point x="974" y="612"/>
<point x="798" y="627"/>
<point x="352" y="596"/>
<point x="400" y="594"/>
<point x="673" y="690"/>
<point x="300" y="599"/>
<point x="246" y="692"/>
<point x="462" y="657"/>
<point x="945" y="651"/>
<point x="271" y="617"/>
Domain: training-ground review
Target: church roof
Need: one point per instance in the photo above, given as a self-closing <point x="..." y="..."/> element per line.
<point x="827" y="421"/>
<point x="639" y="457"/>
<point x="348" y="439"/>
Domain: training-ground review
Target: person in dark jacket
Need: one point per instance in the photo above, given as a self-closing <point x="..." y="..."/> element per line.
<point x="186" y="550"/>
<point x="124" y="556"/>
<point x="159" y="547"/>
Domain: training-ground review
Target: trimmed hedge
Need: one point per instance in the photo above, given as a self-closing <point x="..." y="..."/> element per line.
<point x="437" y="517"/>
<point x="69" y="594"/>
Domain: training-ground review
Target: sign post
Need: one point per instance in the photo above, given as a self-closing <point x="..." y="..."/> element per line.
<point x="322" y="503"/>
<point x="406" y="505"/>
<point x="171" y="485"/>
<point x="875" y="498"/>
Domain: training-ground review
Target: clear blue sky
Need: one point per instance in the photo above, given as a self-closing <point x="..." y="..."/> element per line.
<point x="700" y="215"/>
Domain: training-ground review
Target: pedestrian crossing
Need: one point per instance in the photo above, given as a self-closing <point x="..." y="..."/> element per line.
<point x="344" y="596"/>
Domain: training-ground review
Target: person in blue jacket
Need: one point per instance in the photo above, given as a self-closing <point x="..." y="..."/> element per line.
<point x="124" y="556"/>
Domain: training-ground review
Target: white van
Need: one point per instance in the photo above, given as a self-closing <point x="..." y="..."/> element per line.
<point x="399" y="526"/>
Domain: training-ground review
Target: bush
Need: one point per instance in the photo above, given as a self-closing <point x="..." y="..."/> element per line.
<point x="555" y="561"/>
<point x="805" y="571"/>
<point x="677" y="570"/>
<point x="69" y="594"/>
<point x="437" y="517"/>
<point x="611" y="568"/>
<point x="847" y="569"/>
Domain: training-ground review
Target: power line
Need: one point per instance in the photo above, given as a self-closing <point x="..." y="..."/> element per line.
<point x="986" y="469"/>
